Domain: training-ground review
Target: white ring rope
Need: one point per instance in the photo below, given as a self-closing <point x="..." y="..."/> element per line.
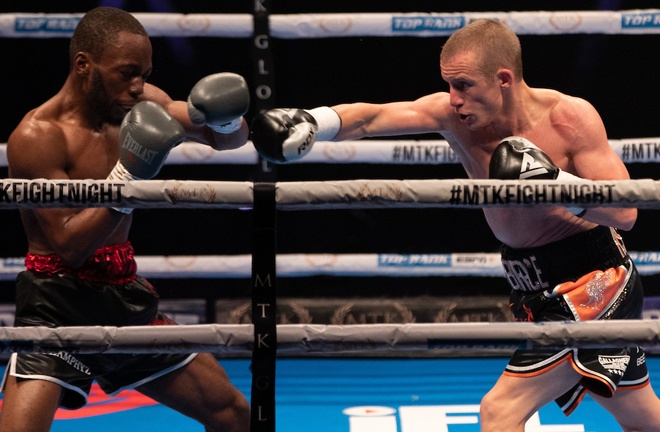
<point x="17" y="193"/>
<point x="296" y="26"/>
<point x="399" y="152"/>
<point x="473" y="264"/>
<point x="321" y="195"/>
<point x="310" y="338"/>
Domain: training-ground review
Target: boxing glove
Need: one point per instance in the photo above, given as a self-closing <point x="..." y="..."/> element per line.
<point x="285" y="135"/>
<point x="219" y="101"/>
<point x="147" y="134"/>
<point x="517" y="158"/>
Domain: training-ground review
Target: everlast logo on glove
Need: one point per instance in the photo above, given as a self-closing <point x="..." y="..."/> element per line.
<point x="134" y="148"/>
<point x="524" y="275"/>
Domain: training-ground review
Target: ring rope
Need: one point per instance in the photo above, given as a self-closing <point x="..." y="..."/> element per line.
<point x="309" y="26"/>
<point x="310" y="338"/>
<point x="321" y="195"/>
<point x="399" y="152"/>
<point x="473" y="264"/>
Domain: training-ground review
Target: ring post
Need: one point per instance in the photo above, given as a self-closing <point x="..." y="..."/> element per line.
<point x="263" y="309"/>
<point x="264" y="242"/>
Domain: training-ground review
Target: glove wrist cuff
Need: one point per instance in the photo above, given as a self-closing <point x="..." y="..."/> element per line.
<point x="563" y="175"/>
<point x="328" y="121"/>
<point x="120" y="173"/>
<point x="227" y="128"/>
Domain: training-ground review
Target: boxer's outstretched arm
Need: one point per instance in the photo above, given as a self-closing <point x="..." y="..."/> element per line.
<point x="427" y="114"/>
<point x="284" y="135"/>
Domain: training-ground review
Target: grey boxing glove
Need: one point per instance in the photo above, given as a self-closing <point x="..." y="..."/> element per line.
<point x="147" y="134"/>
<point x="219" y="101"/>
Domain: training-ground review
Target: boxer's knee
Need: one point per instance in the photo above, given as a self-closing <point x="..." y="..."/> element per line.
<point x="500" y="412"/>
<point x="233" y="417"/>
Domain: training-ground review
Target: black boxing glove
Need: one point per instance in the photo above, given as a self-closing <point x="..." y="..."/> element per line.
<point x="517" y="158"/>
<point x="285" y="135"/>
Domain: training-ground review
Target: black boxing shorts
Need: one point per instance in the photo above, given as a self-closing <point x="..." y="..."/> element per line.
<point x="588" y="276"/>
<point x="105" y="291"/>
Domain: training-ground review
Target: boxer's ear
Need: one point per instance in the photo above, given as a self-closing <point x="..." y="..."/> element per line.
<point x="81" y="64"/>
<point x="505" y="77"/>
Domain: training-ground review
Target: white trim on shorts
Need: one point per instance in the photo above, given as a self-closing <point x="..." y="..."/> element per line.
<point x="159" y="374"/>
<point x="540" y="365"/>
<point x="11" y="370"/>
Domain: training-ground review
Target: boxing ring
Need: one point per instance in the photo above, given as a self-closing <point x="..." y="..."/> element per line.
<point x="333" y="350"/>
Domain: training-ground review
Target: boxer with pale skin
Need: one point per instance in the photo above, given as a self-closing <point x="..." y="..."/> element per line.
<point x="562" y="263"/>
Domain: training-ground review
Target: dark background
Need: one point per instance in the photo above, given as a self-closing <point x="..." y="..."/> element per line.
<point x="618" y="74"/>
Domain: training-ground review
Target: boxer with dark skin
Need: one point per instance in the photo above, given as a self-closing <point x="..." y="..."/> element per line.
<point x="80" y="263"/>
<point x="562" y="263"/>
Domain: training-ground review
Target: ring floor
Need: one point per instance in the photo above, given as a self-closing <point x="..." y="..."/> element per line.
<point x="353" y="395"/>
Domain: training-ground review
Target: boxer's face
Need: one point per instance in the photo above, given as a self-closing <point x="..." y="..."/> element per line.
<point x="475" y="98"/>
<point x="117" y="80"/>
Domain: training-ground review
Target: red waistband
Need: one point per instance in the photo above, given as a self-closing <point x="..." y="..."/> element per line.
<point x="110" y="264"/>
